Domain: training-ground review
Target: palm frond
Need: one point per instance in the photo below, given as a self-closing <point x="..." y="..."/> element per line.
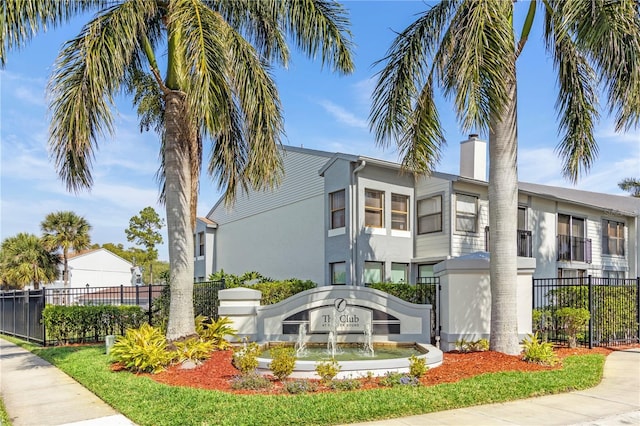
<point x="88" y="72"/>
<point x="21" y="20"/>
<point x="577" y="100"/>
<point x="402" y="108"/>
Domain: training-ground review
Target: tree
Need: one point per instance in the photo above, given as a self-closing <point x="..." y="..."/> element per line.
<point x="216" y="86"/>
<point x="67" y="232"/>
<point x="630" y="185"/>
<point x="144" y="230"/>
<point x="24" y="260"/>
<point x="469" y="49"/>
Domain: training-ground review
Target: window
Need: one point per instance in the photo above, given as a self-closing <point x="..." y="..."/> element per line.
<point x="338" y="273"/>
<point x="572" y="245"/>
<point x="373" y="208"/>
<point x="617" y="275"/>
<point x="373" y="272"/>
<point x="522" y="218"/>
<point x="399" y="272"/>
<point x="572" y="273"/>
<point x="400" y="212"/>
<point x="430" y="215"/>
<point x="612" y="238"/>
<point x="425" y="271"/>
<point x="466" y="213"/>
<point x="336" y="204"/>
<point x="201" y="246"/>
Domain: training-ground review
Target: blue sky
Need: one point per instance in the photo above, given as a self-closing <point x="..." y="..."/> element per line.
<point x="322" y="111"/>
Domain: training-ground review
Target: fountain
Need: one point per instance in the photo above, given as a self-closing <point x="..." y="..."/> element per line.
<point x="367" y="348"/>
<point x="301" y="343"/>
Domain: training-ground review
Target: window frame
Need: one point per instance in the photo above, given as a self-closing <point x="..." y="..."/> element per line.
<point x="380" y="267"/>
<point x="429" y="215"/>
<point x="461" y="214"/>
<point x="404" y="213"/>
<point x="374" y="209"/>
<point x="333" y="209"/>
<point x="406" y="272"/>
<point x="606" y="238"/>
<point x="201" y="244"/>
<point x="332" y="272"/>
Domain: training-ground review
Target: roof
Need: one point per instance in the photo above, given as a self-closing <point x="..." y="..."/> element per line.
<point x="616" y="204"/>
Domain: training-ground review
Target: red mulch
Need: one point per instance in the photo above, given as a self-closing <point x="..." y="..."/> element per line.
<point x="217" y="372"/>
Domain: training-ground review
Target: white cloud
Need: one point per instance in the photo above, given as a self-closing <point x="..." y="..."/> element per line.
<point x="344" y="116"/>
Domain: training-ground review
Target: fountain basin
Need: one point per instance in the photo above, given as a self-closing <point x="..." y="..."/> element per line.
<point x="362" y="367"/>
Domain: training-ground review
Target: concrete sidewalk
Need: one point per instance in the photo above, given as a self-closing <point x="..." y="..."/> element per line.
<point x="36" y="393"/>
<point x="615" y="401"/>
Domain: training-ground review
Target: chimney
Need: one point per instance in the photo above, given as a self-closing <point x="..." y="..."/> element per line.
<point x="473" y="158"/>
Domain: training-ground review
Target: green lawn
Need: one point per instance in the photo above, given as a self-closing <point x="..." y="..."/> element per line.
<point x="149" y="403"/>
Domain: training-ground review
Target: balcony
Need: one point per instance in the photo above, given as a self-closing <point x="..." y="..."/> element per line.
<point x="525" y="248"/>
<point x="574" y="249"/>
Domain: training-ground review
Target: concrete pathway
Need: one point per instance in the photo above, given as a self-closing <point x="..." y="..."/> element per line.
<point x="35" y="393"/>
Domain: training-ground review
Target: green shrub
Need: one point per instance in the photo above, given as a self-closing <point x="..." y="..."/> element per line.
<point x="573" y="321"/>
<point x="66" y="324"/>
<point x="538" y="352"/>
<point x="194" y="349"/>
<point x="277" y="291"/>
<point x="327" y="370"/>
<point x="283" y="361"/>
<point x="479" y="345"/>
<point x="392" y="379"/>
<point x="251" y="381"/>
<point x="245" y="359"/>
<point x="215" y="331"/>
<point x="345" y="385"/>
<point x="300" y="386"/>
<point x="417" y="366"/>
<point x="142" y="349"/>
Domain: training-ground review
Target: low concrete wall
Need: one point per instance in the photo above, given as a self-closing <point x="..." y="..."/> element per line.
<point x="465" y="298"/>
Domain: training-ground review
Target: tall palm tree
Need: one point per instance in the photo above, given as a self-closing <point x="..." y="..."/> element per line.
<point x="216" y="56"/>
<point x="67" y="232"/>
<point x="631" y="185"/>
<point x="24" y="260"/>
<point x="469" y="49"/>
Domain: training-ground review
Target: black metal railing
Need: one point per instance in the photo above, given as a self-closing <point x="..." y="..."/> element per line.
<point x="524" y="242"/>
<point x="576" y="249"/>
<point x="613" y="304"/>
<point x="21" y="310"/>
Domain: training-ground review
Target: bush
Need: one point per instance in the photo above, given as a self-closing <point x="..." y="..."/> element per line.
<point x="251" y="381"/>
<point x="538" y="352"/>
<point x="345" y="385"/>
<point x="245" y="359"/>
<point x="573" y="321"/>
<point x="392" y="379"/>
<point x="472" y="346"/>
<point x="66" y="324"/>
<point x="300" y="386"/>
<point x="283" y="361"/>
<point x="327" y="370"/>
<point x="142" y="350"/>
<point x="193" y="349"/>
<point x="277" y="291"/>
<point x="215" y="331"/>
<point x="417" y="366"/>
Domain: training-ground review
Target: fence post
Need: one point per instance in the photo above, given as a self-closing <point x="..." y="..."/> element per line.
<point x="44" y="305"/>
<point x="149" y="310"/>
<point x="590" y="284"/>
<point x="638" y="307"/>
<point x="121" y="294"/>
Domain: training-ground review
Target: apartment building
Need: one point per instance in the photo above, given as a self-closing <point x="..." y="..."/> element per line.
<point x="346" y="219"/>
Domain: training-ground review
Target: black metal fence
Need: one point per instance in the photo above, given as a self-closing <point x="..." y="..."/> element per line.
<point x="614" y="306"/>
<point x="21" y="310"/>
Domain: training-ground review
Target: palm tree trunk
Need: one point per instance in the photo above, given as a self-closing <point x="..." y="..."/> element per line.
<point x="503" y="213"/>
<point x="178" y="205"/>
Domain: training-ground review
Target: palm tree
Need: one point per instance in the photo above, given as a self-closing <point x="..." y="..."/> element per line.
<point x="24" y="260"/>
<point x="469" y="49"/>
<point x="630" y="185"/>
<point x="67" y="232"/>
<point x="216" y="85"/>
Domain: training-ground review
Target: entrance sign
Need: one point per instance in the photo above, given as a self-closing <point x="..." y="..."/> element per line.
<point x="350" y="319"/>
